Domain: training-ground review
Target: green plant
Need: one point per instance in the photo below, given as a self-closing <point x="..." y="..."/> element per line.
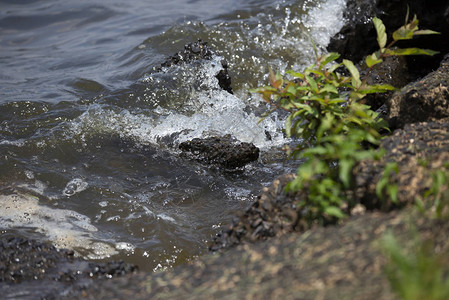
<point x="332" y="126"/>
<point x="384" y="185"/>
<point x="420" y="274"/>
<point x="436" y="198"/>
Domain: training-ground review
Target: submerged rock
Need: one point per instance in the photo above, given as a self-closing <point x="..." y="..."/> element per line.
<point x="197" y="51"/>
<point x="224" y="151"/>
<point x="424" y="100"/>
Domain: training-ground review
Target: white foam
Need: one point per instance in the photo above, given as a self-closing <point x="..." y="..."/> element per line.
<point x="166" y="217"/>
<point x="325" y="20"/>
<point x="37" y="187"/>
<point x="64" y="228"/>
<point x="207" y="111"/>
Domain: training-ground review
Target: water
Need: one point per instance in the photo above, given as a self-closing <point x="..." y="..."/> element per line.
<point x="89" y="131"/>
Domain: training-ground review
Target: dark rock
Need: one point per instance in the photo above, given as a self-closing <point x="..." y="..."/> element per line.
<point x="358" y="37"/>
<point x="393" y="71"/>
<point x="418" y="150"/>
<point x="224" y="80"/>
<point x="423" y="100"/>
<point x="273" y="213"/>
<point x="199" y="50"/>
<point x="224" y="151"/>
<point x="25" y="261"/>
<point x="191" y="52"/>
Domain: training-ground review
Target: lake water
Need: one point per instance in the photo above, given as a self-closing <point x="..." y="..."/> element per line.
<point x="89" y="131"/>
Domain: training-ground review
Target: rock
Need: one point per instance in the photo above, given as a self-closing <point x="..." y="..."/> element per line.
<point x="358" y="37"/>
<point x="273" y="213"/>
<point x="24" y="261"/>
<point x="393" y="71"/>
<point x="199" y="50"/>
<point x="424" y="100"/>
<point x="224" y="80"/>
<point x="224" y="151"/>
<point x="418" y="149"/>
<point x="192" y="52"/>
<point x="335" y="262"/>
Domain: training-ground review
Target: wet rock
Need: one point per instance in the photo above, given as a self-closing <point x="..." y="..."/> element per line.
<point x="424" y="100"/>
<point x="418" y="149"/>
<point x="224" y="151"/>
<point x="358" y="37"/>
<point x="273" y="213"/>
<point x="192" y="52"/>
<point x="199" y="50"/>
<point x="224" y="80"/>
<point x="25" y="261"/>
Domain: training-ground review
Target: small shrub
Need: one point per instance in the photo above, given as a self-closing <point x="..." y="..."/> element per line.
<point x="330" y="124"/>
<point x="385" y="186"/>
<point x="436" y="199"/>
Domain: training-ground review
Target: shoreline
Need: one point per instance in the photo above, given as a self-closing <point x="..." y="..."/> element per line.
<point x="331" y="262"/>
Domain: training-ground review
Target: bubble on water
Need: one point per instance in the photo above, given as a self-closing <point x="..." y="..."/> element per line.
<point x="74" y="186"/>
<point x="125" y="246"/>
<point x="29" y="174"/>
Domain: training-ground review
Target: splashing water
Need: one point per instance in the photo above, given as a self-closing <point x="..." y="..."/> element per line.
<point x="96" y="168"/>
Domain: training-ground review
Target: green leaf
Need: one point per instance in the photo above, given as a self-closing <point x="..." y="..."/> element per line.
<point x="392" y="191"/>
<point x="373" y="59"/>
<point x="411" y="51"/>
<point x="295" y="74"/>
<point x="381" y="34"/>
<point x="334" y="212"/>
<point x="402" y="34"/>
<point x="317" y="72"/>
<point x="276" y="80"/>
<point x="329" y="88"/>
<point x="291" y="89"/>
<point x="337" y="100"/>
<point x="425" y="32"/>
<point x="333" y="68"/>
<point x="327" y="58"/>
<point x="288" y="125"/>
<point x="354" y="72"/>
<point x="312" y="83"/>
<point x="345" y="168"/>
<point x="376" y="88"/>
<point x="406" y="32"/>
